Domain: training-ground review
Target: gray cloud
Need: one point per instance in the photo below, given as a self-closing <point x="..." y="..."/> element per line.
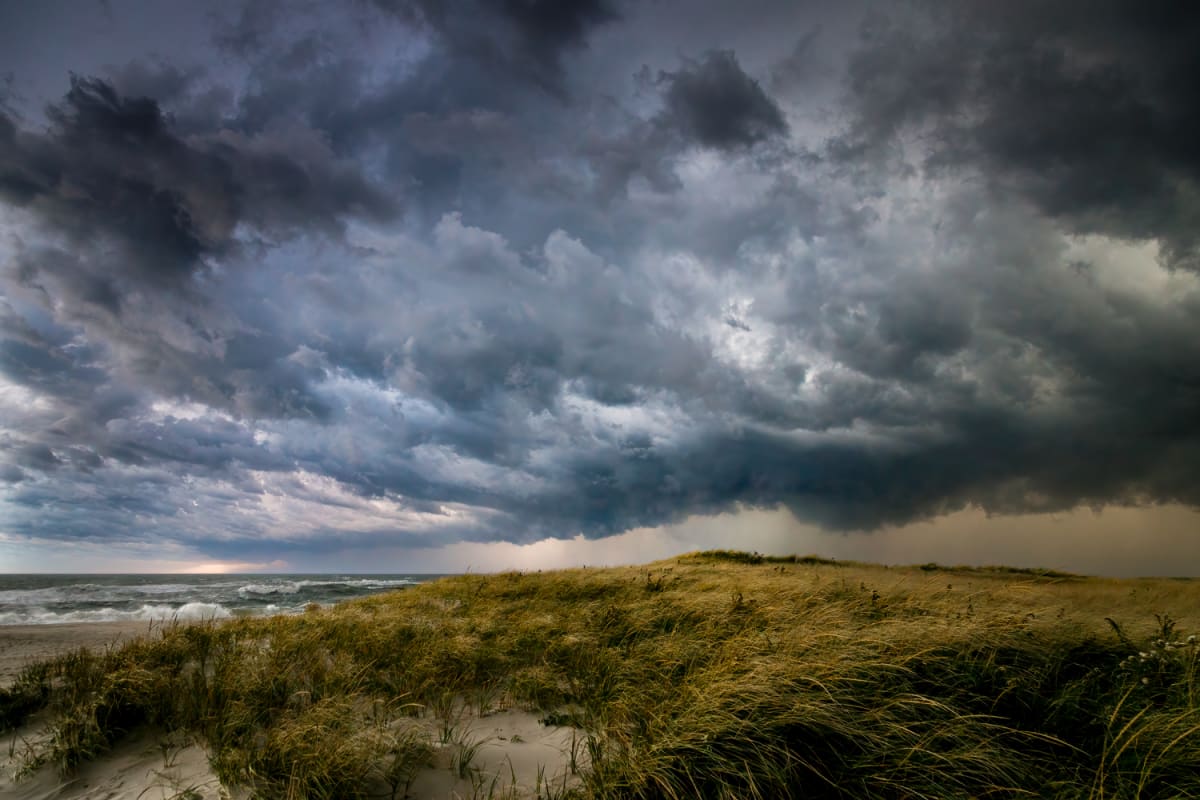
<point x="716" y="104"/>
<point x="112" y="167"/>
<point x="1087" y="112"/>
<point x="611" y="301"/>
<point x="142" y="217"/>
<point x="525" y="39"/>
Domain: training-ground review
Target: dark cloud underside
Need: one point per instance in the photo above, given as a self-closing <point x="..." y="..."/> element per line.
<point x="414" y="273"/>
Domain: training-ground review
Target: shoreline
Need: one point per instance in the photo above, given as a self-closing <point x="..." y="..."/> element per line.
<point x="21" y="645"/>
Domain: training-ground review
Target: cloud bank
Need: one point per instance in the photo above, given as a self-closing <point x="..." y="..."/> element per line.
<point x="417" y="274"/>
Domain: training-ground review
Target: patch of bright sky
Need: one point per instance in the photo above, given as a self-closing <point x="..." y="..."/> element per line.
<point x="1129" y="267"/>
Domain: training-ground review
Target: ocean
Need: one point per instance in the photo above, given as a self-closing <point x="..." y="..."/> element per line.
<point x="50" y="599"/>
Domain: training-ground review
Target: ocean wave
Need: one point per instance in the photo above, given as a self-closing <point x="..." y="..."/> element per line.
<point x="287" y="587"/>
<point x="358" y="583"/>
<point x="328" y="585"/>
<point x="24" y="597"/>
<point x="118" y="599"/>
<point x="197" y="611"/>
<point x="89" y="593"/>
<point x="161" y="588"/>
<point x="187" y="611"/>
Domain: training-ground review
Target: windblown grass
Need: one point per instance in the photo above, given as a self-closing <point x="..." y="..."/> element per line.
<point x="715" y="675"/>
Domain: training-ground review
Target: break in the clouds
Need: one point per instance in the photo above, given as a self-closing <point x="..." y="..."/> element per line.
<point x="284" y="280"/>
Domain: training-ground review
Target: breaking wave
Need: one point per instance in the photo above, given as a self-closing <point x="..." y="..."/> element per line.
<point x="187" y="611"/>
<point x="48" y="600"/>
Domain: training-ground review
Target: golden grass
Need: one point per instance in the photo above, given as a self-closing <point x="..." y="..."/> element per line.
<point x="715" y="675"/>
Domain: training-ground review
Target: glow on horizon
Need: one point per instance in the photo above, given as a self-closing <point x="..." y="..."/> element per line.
<point x="1115" y="542"/>
<point x="232" y="567"/>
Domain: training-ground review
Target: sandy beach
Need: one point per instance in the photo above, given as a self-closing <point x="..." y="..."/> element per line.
<point x="24" y="644"/>
<point x="138" y="768"/>
<point x="513" y="748"/>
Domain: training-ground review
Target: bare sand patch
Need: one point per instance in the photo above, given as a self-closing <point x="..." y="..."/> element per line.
<point x="148" y="765"/>
<point x="508" y="754"/>
<point x="503" y="754"/>
<point x="21" y="645"/>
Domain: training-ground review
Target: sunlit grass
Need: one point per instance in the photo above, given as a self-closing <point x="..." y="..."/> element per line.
<point x="716" y="675"/>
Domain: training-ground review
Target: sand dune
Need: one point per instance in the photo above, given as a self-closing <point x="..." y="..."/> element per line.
<point x="511" y="749"/>
<point x="146" y="766"/>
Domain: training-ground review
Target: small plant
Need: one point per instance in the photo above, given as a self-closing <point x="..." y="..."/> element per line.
<point x="443" y="704"/>
<point x="406" y="754"/>
<point x="545" y="789"/>
<point x="487" y="697"/>
<point x="465" y="753"/>
<point x="1168" y="663"/>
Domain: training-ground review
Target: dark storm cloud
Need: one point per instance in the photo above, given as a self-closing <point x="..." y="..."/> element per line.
<point x="708" y="102"/>
<point x="716" y="104"/>
<point x="1087" y="109"/>
<point x="453" y="127"/>
<point x="143" y="214"/>
<point x="524" y="38"/>
<point x="614" y="300"/>
<point x="549" y="27"/>
<point x="112" y="168"/>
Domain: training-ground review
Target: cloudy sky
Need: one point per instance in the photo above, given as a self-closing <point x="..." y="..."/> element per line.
<point x="394" y="285"/>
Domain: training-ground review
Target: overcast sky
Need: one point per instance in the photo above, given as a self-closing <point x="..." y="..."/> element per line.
<point x="397" y="285"/>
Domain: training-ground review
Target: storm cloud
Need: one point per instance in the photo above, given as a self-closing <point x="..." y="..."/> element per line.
<point x="413" y="274"/>
<point x="718" y="105"/>
<point x="1085" y="110"/>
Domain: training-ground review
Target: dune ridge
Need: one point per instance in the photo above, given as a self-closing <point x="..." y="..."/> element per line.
<point x="717" y="674"/>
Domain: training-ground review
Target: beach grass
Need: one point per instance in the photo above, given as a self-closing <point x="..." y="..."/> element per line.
<point x="715" y="675"/>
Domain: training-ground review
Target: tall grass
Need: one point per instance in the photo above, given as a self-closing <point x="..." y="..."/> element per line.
<point x="721" y="674"/>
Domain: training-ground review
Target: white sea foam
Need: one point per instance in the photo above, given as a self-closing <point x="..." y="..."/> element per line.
<point x="172" y="598"/>
<point x="187" y="611"/>
<point x="198" y="611"/>
<point x="295" y="587"/>
<point x="19" y="597"/>
<point x="287" y="587"/>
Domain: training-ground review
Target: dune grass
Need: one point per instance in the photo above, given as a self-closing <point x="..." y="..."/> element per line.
<point x="715" y="675"/>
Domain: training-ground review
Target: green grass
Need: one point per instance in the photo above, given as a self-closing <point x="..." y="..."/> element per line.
<point x="716" y="675"/>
